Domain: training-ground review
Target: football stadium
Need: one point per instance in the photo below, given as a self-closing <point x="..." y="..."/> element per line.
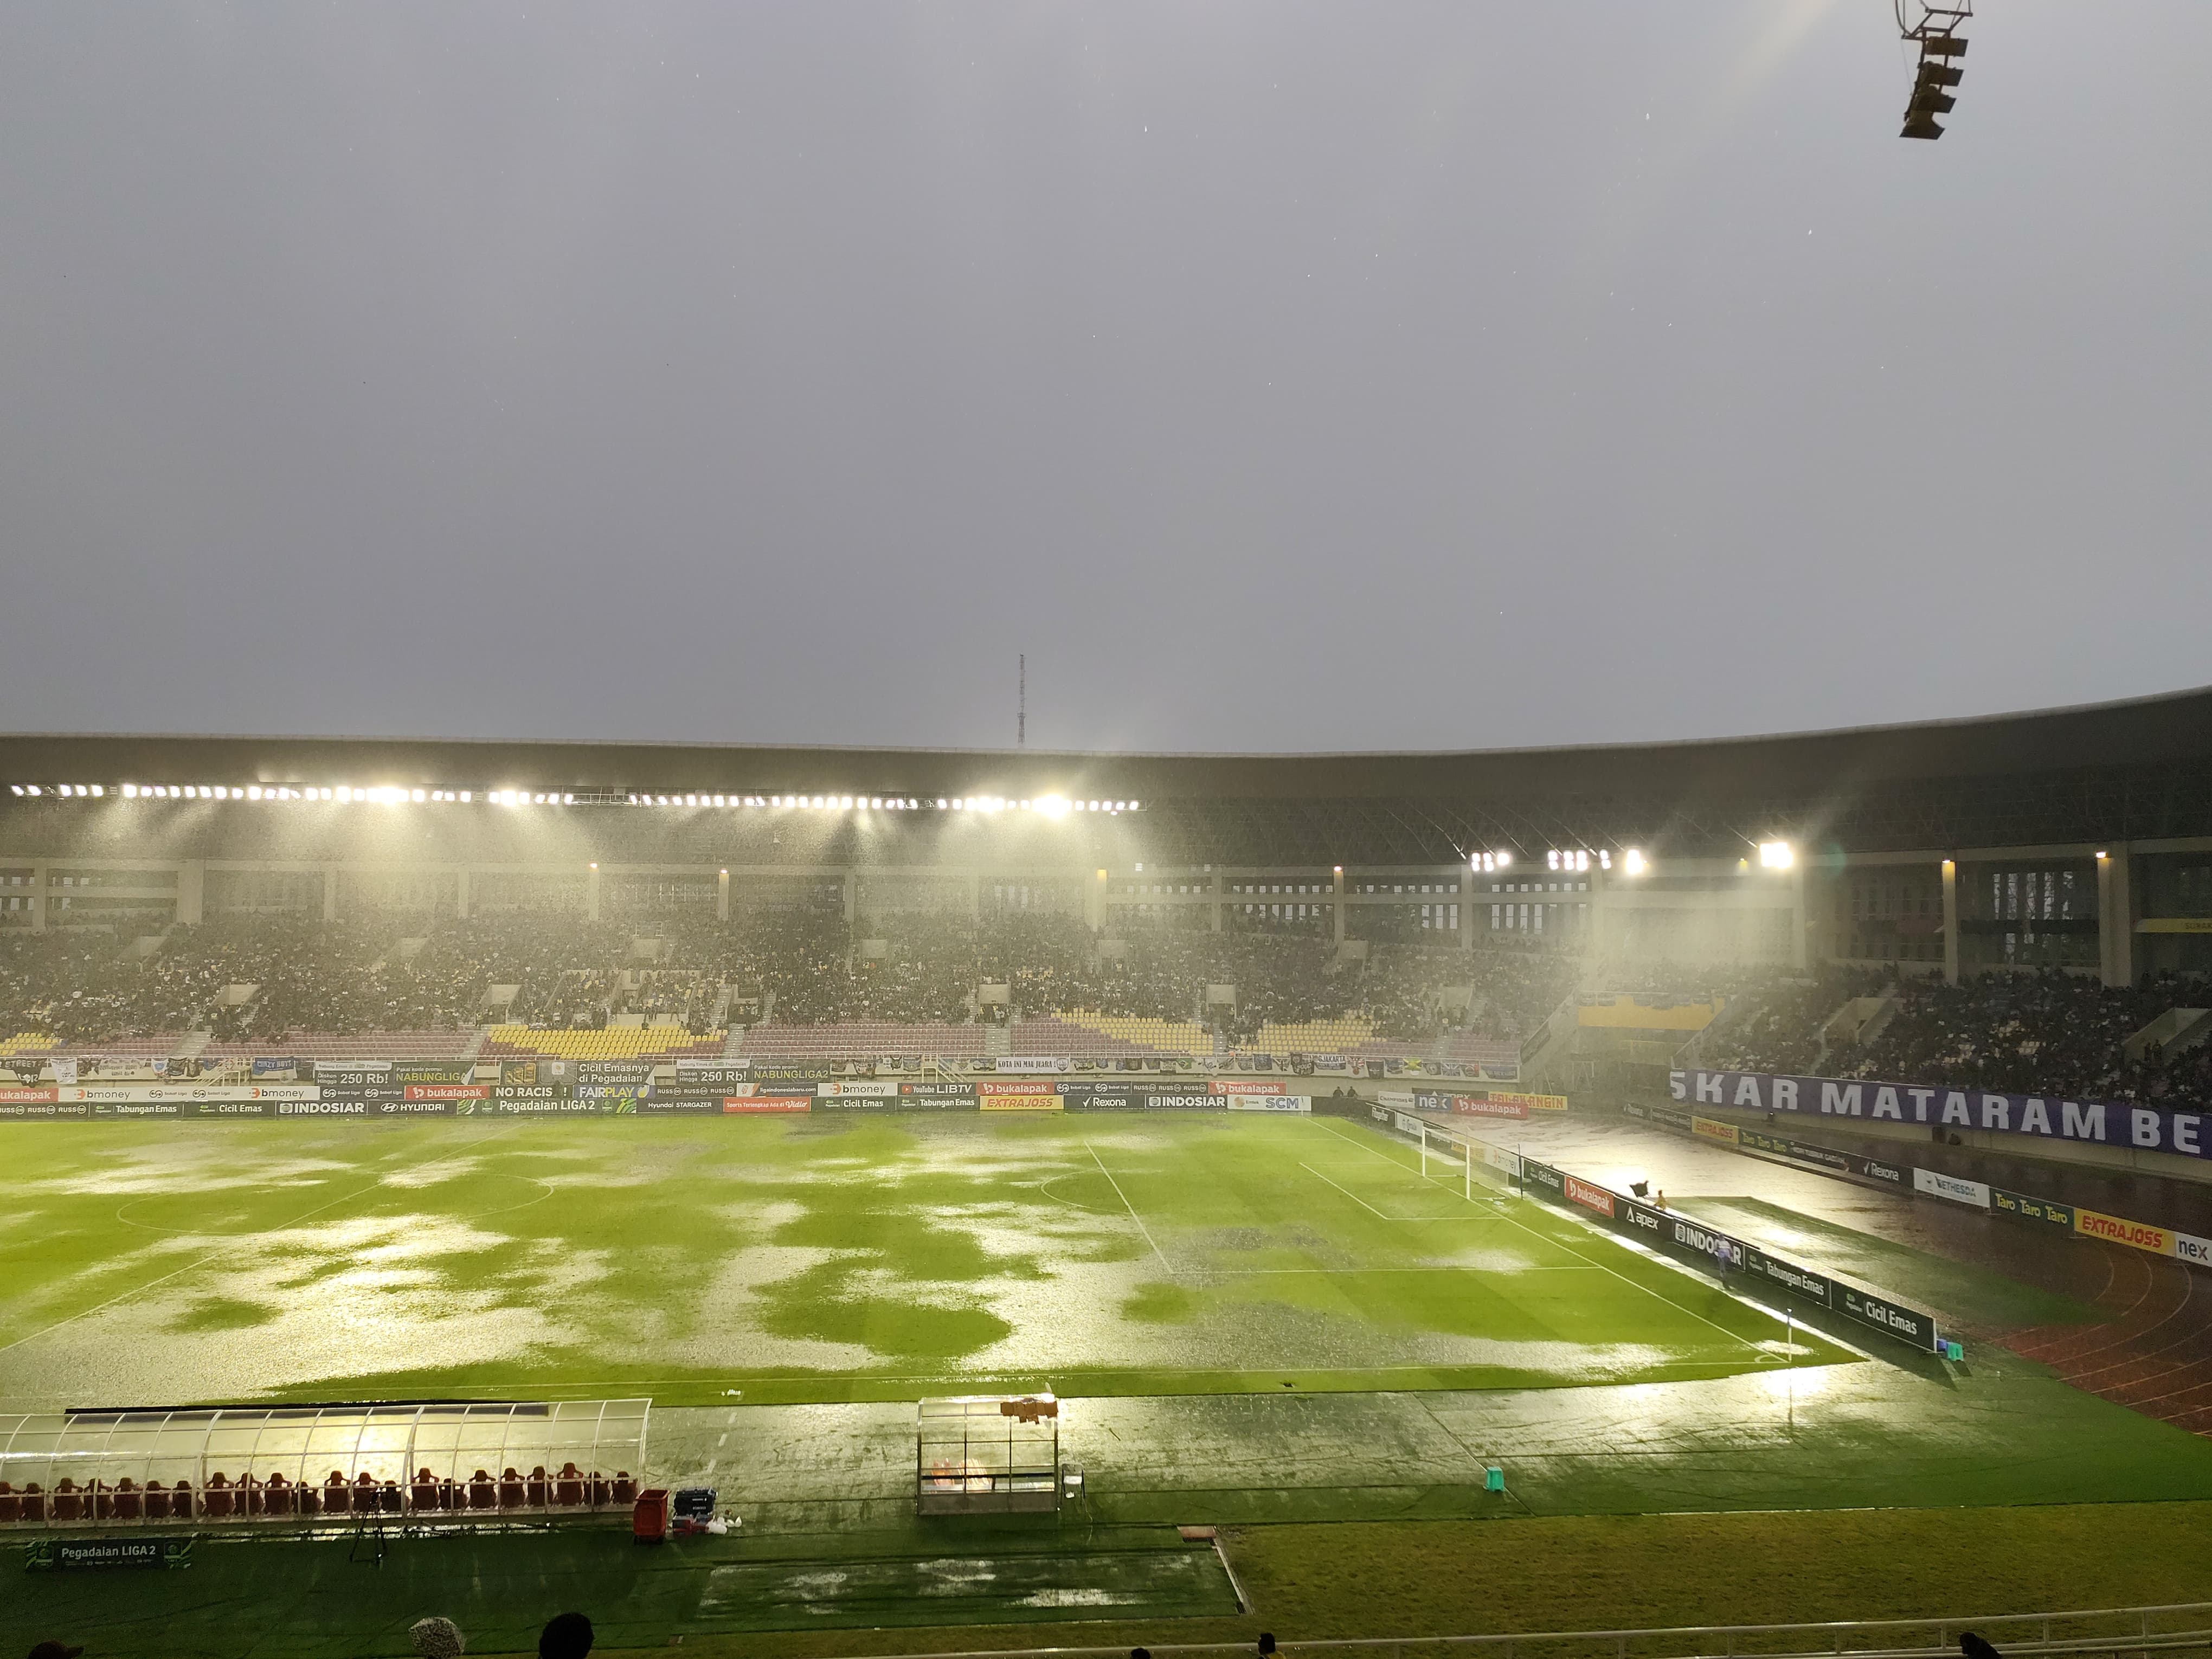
<point x="838" y="1201"/>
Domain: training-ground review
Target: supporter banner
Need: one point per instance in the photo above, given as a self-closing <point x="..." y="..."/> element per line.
<point x="65" y="1069"/>
<point x="2045" y="1117"/>
<point x="739" y="1106"/>
<point x="1936" y="1184"/>
<point x="433" y="1071"/>
<point x="881" y="1088"/>
<point x="1222" y="1085"/>
<point x="1029" y="1063"/>
<point x="529" y="1073"/>
<point x="2029" y="1208"/>
<point x="2117" y="1230"/>
<point x="1240" y="1103"/>
<point x="277" y="1069"/>
<point x="1707" y="1128"/>
<point x="25" y="1069"/>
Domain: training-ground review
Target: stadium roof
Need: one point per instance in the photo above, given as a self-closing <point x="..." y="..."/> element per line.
<point x="2108" y="771"/>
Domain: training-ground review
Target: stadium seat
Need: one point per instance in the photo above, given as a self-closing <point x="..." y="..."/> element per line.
<point x="483" y="1491"/>
<point x="217" y="1499"/>
<point x="422" y="1492"/>
<point x="338" y="1495"/>
<point x="568" y="1486"/>
<point x="510" y="1489"/>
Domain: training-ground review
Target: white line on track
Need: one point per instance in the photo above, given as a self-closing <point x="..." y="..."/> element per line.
<point x="1130" y="1207"/>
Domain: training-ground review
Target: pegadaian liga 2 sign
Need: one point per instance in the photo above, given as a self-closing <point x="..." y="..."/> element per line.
<point x="2048" y="1117"/>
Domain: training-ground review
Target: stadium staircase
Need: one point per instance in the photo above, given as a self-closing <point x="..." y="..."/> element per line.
<point x="998" y="1040"/>
<point x="191" y="1044"/>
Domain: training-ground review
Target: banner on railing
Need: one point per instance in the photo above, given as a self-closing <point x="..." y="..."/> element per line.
<point x="2045" y="1117"/>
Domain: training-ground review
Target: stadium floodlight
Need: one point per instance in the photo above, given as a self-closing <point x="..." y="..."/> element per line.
<point x="1776" y="855"/>
<point x="1633" y="862"/>
<point x="1937" y="36"/>
<point x="1053" y="806"/>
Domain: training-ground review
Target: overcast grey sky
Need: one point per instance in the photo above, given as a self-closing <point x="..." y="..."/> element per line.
<point x="1277" y="375"/>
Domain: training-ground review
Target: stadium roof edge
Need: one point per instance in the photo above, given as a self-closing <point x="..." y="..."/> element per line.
<point x="2168" y="728"/>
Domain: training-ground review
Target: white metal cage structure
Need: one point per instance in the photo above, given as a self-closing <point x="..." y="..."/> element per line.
<point x="416" y="1461"/>
<point x="987" y="1455"/>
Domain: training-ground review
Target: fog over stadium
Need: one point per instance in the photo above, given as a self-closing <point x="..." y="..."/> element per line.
<point x="1414" y="376"/>
<point x="928" y="827"/>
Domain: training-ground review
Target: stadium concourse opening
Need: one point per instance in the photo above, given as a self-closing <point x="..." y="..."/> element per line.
<point x="1807" y="1124"/>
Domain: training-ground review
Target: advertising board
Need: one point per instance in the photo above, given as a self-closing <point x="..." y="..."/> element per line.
<point x="2043" y="1117"/>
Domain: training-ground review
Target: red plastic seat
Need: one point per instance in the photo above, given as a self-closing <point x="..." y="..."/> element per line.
<point x="337" y="1497"/>
<point x="35" y="1501"/>
<point x="180" y="1501"/>
<point x="11" y="1503"/>
<point x="422" y="1491"/>
<point x="538" y="1491"/>
<point x="69" y="1501"/>
<point x="157" y="1501"/>
<point x="279" y="1496"/>
<point x="483" y="1491"/>
<point x="129" y="1503"/>
<point x="217" y="1499"/>
<point x="568" y="1486"/>
<point x="625" y="1488"/>
<point x="510" y="1489"/>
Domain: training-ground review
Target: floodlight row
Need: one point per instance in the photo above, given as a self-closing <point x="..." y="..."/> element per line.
<point x="1050" y="806"/>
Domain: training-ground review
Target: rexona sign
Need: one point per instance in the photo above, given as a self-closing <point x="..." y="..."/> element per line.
<point x="2046" y="1117"/>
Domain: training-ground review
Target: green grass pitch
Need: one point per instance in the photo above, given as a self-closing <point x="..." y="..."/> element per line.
<point x="820" y="1259"/>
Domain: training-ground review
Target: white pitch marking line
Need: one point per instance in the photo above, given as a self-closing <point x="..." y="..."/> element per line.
<point x="1370" y="1208"/>
<point x="126" y="1296"/>
<point x="1731" y="1335"/>
<point x="1130" y="1207"/>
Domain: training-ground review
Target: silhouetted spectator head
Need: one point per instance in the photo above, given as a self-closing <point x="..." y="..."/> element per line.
<point x="55" y="1651"/>
<point x="1974" y="1646"/>
<point x="565" y="1636"/>
<point x="1266" y="1641"/>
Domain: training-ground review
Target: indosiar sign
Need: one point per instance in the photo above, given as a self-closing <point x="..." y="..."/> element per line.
<point x="2045" y="1117"/>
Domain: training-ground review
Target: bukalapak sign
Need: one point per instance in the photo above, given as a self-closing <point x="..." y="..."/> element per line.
<point x="2045" y="1117"/>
